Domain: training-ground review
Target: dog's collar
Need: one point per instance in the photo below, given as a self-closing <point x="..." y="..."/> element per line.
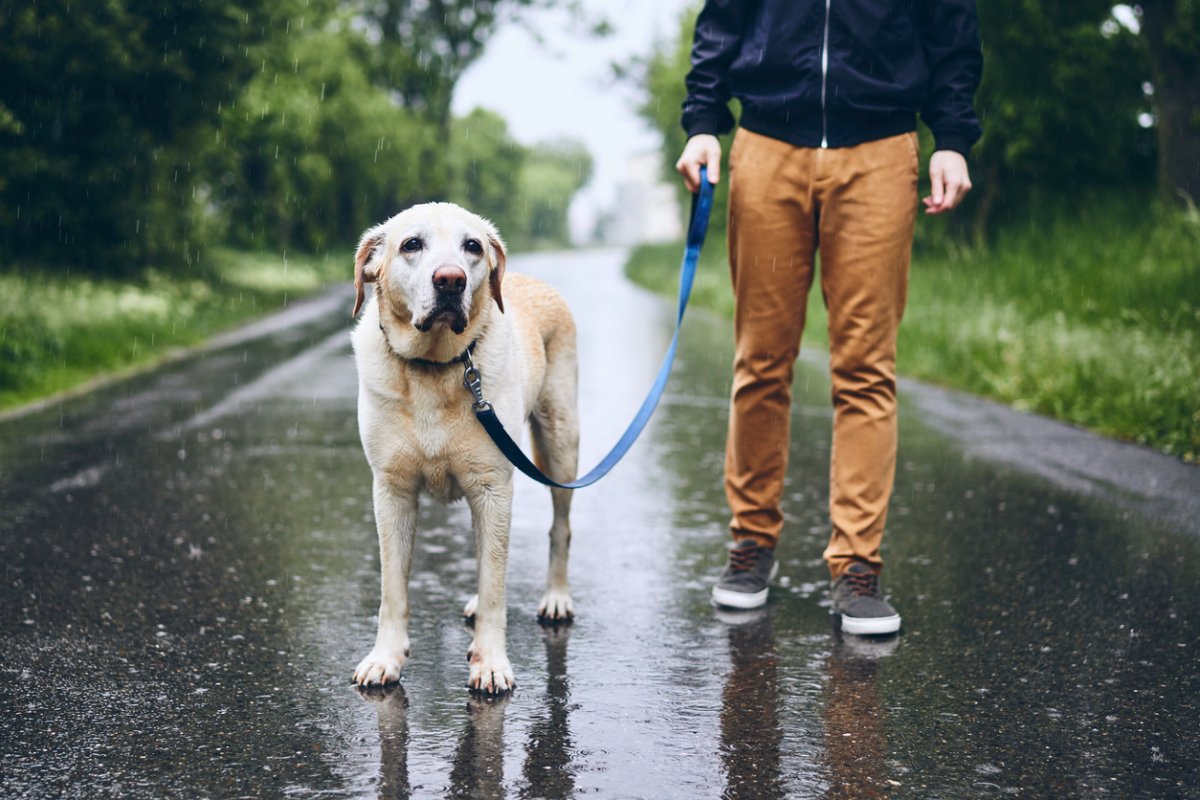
<point x="461" y="358"/>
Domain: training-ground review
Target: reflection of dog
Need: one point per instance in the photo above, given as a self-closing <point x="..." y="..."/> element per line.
<point x="438" y="271"/>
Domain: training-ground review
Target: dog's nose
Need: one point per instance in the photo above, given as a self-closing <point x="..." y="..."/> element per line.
<point x="449" y="280"/>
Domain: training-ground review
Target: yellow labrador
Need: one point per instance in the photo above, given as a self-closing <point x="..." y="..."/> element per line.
<point x="437" y="272"/>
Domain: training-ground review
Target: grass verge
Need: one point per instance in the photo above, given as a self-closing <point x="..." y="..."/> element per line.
<point x="1093" y="319"/>
<point x="58" y="331"/>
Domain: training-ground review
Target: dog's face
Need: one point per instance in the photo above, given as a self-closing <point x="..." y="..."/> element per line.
<point x="435" y="265"/>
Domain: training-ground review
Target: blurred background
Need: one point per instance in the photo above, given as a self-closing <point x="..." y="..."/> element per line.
<point x="194" y="163"/>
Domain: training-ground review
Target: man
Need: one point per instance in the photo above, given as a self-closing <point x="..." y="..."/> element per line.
<point x="825" y="159"/>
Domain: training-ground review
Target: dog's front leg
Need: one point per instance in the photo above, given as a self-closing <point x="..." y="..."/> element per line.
<point x="396" y="521"/>
<point x="491" y="517"/>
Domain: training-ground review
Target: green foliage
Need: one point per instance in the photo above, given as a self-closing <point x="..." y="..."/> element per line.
<point x="524" y="191"/>
<point x="1091" y="318"/>
<point x="656" y="267"/>
<point x="129" y="133"/>
<point x="423" y="50"/>
<point x="312" y="153"/>
<point x="1060" y="98"/>
<point x="486" y="165"/>
<point x="56" y="333"/>
<point x="555" y="171"/>
<point x="102" y="109"/>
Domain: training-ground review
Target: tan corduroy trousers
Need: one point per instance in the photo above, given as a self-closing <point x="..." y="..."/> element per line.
<point x="857" y="206"/>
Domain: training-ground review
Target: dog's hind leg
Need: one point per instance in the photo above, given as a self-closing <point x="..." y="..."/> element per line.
<point x="555" y="432"/>
<point x="396" y="520"/>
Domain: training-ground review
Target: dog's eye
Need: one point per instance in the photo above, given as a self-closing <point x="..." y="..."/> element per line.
<point x="412" y="245"/>
<point x="473" y="246"/>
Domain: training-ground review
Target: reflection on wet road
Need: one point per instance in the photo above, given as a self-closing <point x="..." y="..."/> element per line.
<point x="190" y="574"/>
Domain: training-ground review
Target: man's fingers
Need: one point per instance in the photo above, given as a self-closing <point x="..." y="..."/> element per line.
<point x="955" y="192"/>
<point x="949" y="180"/>
<point x="938" y="186"/>
<point x="714" y="168"/>
<point x="702" y="150"/>
<point x="690" y="172"/>
<point x="963" y="188"/>
<point x="952" y="196"/>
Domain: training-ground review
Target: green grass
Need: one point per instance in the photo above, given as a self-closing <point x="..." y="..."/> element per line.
<point x="59" y="330"/>
<point x="1092" y="318"/>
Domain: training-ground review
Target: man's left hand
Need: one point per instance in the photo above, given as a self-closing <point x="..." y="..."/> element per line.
<point x="951" y="181"/>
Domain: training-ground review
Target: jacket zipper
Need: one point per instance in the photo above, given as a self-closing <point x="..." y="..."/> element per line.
<point x="825" y="78"/>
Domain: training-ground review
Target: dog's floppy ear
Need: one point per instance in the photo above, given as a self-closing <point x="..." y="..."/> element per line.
<point x="497" y="259"/>
<point x="366" y="248"/>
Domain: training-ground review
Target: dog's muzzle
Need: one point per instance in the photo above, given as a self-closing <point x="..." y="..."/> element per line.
<point x="449" y="284"/>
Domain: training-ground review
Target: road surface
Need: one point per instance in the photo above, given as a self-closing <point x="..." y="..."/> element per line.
<point x="190" y="574"/>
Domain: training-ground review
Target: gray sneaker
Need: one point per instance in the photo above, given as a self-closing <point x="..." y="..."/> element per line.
<point x="857" y="598"/>
<point x="744" y="582"/>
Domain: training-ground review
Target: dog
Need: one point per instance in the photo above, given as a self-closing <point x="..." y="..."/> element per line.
<point x="437" y="271"/>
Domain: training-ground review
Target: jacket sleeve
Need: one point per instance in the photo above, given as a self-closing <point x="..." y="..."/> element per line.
<point x="719" y="30"/>
<point x="950" y="37"/>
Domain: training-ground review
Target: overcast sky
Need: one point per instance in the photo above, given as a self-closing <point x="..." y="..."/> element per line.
<point x="564" y="86"/>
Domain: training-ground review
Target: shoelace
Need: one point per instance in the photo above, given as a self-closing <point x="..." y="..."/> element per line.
<point x="863" y="583"/>
<point x="744" y="559"/>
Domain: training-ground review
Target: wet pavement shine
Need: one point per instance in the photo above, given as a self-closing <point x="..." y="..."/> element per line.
<point x="190" y="577"/>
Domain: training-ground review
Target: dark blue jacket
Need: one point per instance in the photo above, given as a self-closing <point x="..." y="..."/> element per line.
<point x="836" y="73"/>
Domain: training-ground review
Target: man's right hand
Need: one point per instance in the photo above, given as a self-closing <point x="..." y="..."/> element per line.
<point x="702" y="150"/>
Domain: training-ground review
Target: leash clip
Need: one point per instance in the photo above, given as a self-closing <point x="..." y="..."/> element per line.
<point x="473" y="382"/>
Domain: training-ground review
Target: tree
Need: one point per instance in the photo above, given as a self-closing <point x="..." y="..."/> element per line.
<point x="1172" y="29"/>
<point x="1060" y="99"/>
<point x="129" y="133"/>
<point x="312" y="152"/>
<point x="555" y="171"/>
<point x="425" y="46"/>
<point x="486" y="165"/>
<point x="525" y="191"/>
<point x="102" y="108"/>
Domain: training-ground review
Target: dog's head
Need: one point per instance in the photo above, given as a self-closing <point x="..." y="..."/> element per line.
<point x="435" y="264"/>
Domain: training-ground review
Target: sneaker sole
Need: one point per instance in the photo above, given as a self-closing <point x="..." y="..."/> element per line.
<point x="870" y="626"/>
<point x="743" y="600"/>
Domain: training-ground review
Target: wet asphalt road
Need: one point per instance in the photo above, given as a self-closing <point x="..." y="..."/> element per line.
<point x="190" y="574"/>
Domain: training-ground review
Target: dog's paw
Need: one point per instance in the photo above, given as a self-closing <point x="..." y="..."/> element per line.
<point x="469" y="609"/>
<point x="490" y="674"/>
<point x="380" y="668"/>
<point x="556" y="607"/>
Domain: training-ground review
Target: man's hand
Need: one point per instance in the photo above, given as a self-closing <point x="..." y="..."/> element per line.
<point x="950" y="178"/>
<point x="702" y="150"/>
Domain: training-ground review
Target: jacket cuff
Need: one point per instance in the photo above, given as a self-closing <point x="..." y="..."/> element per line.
<point x="705" y="123"/>
<point x="957" y="142"/>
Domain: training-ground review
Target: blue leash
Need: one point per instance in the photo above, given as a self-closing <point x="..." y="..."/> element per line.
<point x="697" y="228"/>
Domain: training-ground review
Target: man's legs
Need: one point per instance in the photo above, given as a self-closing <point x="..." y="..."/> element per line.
<point x="772" y="234"/>
<point x="868" y="211"/>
